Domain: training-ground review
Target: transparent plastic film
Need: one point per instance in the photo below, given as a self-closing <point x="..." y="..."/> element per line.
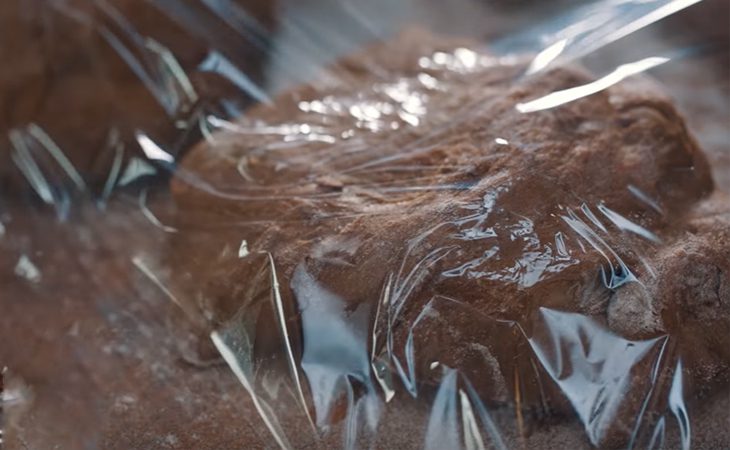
<point x="365" y="225"/>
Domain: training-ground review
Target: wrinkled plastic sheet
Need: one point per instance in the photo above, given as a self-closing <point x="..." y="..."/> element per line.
<point x="217" y="233"/>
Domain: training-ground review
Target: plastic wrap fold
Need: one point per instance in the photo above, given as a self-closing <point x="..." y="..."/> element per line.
<point x="364" y="225"/>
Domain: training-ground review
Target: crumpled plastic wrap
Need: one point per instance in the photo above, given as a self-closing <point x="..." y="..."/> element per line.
<point x="336" y="224"/>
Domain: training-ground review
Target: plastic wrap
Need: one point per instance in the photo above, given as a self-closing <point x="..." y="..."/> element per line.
<point x="340" y="224"/>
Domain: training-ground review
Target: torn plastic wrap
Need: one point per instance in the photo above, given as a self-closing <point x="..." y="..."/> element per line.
<point x="492" y="228"/>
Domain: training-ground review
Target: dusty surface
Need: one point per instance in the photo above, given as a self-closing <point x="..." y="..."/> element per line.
<point x="408" y="180"/>
<point x="100" y="357"/>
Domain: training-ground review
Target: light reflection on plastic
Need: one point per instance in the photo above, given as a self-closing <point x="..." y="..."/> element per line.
<point x="569" y="95"/>
<point x="26" y="269"/>
<point x="472" y="438"/>
<point x="626" y="225"/>
<point x="676" y="404"/>
<point x="215" y="62"/>
<point x="230" y="358"/>
<point x="136" y="168"/>
<point x="442" y="424"/>
<point x="335" y="348"/>
<point x="546" y="56"/>
<point x="151" y="149"/>
<point x="638" y="193"/>
<point x="620" y="273"/>
<point x="461" y="60"/>
<point x="243" y="249"/>
<point x="595" y="377"/>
